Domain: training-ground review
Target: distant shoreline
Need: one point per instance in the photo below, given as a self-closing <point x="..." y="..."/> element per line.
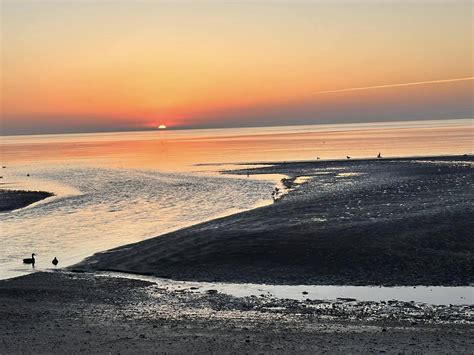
<point x="388" y="222"/>
<point x="11" y="200"/>
<point x="341" y="160"/>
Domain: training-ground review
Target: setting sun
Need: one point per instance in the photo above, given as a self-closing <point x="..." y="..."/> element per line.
<point x="162" y="126"/>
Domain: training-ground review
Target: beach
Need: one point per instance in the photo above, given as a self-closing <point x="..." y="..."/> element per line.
<point x="13" y="199"/>
<point x="356" y="222"/>
<point x="405" y="221"/>
<point x="73" y="313"/>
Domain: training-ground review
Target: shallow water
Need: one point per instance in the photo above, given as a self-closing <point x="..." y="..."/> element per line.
<point x="438" y="295"/>
<point x="100" y="208"/>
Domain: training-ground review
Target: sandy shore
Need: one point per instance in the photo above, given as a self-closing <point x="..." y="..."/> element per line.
<point x="357" y="222"/>
<point x="404" y="221"/>
<point x="14" y="199"/>
<point x="71" y="313"/>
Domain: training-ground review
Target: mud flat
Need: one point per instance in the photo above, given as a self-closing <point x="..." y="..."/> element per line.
<point x="405" y="221"/>
<point x="71" y="313"/>
<point x="14" y="199"/>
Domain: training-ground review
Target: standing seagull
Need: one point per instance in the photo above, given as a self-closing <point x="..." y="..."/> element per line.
<point x="30" y="260"/>
<point x="55" y="261"/>
<point x="379" y="156"/>
<point x="348" y="157"/>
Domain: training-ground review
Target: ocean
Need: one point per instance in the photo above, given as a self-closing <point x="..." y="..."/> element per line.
<point x="113" y="189"/>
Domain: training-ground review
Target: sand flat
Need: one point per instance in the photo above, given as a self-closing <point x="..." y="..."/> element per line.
<point x="404" y="221"/>
<point x="389" y="222"/>
<point x="14" y="199"/>
<point x="85" y="313"/>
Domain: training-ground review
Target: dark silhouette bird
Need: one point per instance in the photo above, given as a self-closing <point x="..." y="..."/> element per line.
<point x="3" y="167"/>
<point x="348" y="157"/>
<point x="55" y="261"/>
<point x="30" y="260"/>
<point x="379" y="156"/>
<point x="27" y="174"/>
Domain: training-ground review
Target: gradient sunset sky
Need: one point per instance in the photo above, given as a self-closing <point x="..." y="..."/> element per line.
<point x="79" y="66"/>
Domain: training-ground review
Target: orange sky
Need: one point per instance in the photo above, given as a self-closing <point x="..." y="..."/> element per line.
<point x="107" y="65"/>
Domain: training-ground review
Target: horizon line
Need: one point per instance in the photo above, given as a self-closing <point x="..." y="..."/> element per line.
<point x="183" y="128"/>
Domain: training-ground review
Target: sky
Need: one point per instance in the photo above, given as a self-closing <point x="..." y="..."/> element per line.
<point x="83" y="66"/>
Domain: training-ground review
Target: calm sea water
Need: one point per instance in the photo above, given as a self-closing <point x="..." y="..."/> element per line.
<point x="118" y="188"/>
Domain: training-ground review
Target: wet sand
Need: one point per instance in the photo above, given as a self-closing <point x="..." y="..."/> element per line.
<point x="70" y="313"/>
<point x="388" y="222"/>
<point x="14" y="199"/>
<point x="357" y="222"/>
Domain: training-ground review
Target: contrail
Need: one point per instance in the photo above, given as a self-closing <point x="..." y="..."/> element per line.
<point x="396" y="85"/>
